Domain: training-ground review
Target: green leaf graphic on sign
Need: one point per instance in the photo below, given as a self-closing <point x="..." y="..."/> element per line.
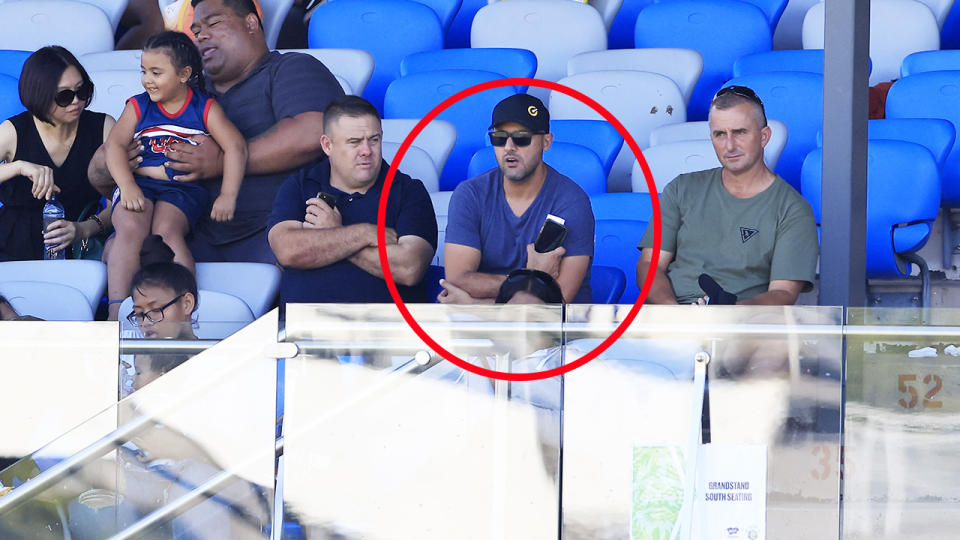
<point x="657" y="492"/>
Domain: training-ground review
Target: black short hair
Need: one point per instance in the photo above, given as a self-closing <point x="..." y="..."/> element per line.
<point x="41" y="77"/>
<point x="538" y="283"/>
<point x="353" y="106"/>
<point x="241" y="7"/>
<point x="182" y="52"/>
<point x="157" y="269"/>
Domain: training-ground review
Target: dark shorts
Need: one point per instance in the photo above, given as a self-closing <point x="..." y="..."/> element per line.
<point x="251" y="249"/>
<point x="192" y="199"/>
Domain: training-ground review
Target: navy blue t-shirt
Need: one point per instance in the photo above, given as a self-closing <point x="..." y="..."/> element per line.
<point x="479" y="217"/>
<point x="409" y="212"/>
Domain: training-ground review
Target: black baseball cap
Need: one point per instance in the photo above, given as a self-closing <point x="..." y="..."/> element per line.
<point x="523" y="109"/>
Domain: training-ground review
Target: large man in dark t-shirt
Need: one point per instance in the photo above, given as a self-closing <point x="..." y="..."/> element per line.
<point x="329" y="248"/>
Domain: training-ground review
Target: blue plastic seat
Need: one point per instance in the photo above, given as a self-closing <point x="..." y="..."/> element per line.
<point x="388" y="29"/>
<point x="506" y="62"/>
<point x="934" y="134"/>
<point x="807" y="60"/>
<point x="9" y="98"/>
<point x="720" y="30"/>
<point x="607" y="284"/>
<point x="11" y="62"/>
<point x="932" y="95"/>
<point x="636" y="206"/>
<point x="579" y="163"/>
<point x="597" y="135"/>
<point x="921" y="62"/>
<point x="621" y="31"/>
<point x="615" y="244"/>
<point x="772" y="9"/>
<point x="458" y="34"/>
<point x="796" y="99"/>
<point x="415" y="95"/>
<point x="899" y="215"/>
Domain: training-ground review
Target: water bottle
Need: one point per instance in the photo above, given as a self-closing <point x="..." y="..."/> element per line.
<point x="52" y="211"/>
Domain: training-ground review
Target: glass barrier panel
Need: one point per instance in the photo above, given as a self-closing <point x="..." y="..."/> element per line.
<point x="379" y="446"/>
<point x="190" y="453"/>
<point x="771" y="469"/>
<point x="903" y="397"/>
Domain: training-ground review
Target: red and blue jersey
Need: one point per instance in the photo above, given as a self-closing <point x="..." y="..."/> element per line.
<point x="157" y="128"/>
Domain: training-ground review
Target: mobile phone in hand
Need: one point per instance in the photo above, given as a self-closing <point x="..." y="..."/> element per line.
<point x="327" y="198"/>
<point x="552" y="234"/>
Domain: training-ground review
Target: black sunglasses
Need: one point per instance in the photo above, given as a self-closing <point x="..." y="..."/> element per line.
<point x="520" y="138"/>
<point x="65" y="97"/>
<point x="154" y="315"/>
<point x="742" y="91"/>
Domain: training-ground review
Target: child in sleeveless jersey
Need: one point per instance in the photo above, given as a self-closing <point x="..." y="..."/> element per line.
<point x="148" y="200"/>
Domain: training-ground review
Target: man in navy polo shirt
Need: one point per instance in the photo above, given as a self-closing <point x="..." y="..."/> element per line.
<point x="494" y="219"/>
<point x="329" y="249"/>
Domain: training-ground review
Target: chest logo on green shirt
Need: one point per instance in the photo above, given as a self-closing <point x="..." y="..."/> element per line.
<point x="747" y="233"/>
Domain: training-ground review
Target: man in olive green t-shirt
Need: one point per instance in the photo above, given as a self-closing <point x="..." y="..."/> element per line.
<point x="741" y="224"/>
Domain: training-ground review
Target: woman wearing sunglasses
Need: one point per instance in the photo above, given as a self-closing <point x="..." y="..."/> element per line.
<point x="46" y="150"/>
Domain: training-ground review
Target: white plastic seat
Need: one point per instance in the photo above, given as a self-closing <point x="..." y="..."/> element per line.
<point x="47" y="300"/>
<point x="88" y="277"/>
<point x="218" y="314"/>
<point x="682" y="66"/>
<point x="554" y="31"/>
<point x="416" y="164"/>
<point x="256" y="284"/>
<point x="274" y="12"/>
<point x="441" y="204"/>
<point x="700" y="131"/>
<point x="437" y="138"/>
<point x="897" y="29"/>
<point x="789" y="31"/>
<point x="122" y="60"/>
<point x="28" y="25"/>
<point x="641" y="101"/>
<point x="355" y="66"/>
<point x="608" y="10"/>
<point x="112" y="89"/>
<point x="940" y="9"/>
<point x="667" y="161"/>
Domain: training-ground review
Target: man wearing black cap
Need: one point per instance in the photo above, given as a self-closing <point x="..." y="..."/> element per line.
<point x="494" y="218"/>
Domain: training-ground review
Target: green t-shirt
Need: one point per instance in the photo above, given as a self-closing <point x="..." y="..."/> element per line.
<point x="742" y="243"/>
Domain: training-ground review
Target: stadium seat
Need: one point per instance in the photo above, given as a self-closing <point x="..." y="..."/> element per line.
<point x="458" y="35"/>
<point x="112" y="60"/>
<point x="788" y="34"/>
<point x="897" y="28"/>
<point x="934" y="134"/>
<point x="579" y="163"/>
<point x="274" y="13"/>
<point x="218" y="314"/>
<point x="627" y="206"/>
<point x="554" y="31"/>
<point x="682" y="66"/>
<point x="112" y="88"/>
<point x="256" y="284"/>
<point x="932" y="95"/>
<point x="355" y="66"/>
<point x="597" y="135"/>
<point x="416" y="163"/>
<point x="113" y="9"/>
<point x="641" y="101"/>
<point x="772" y="9"/>
<point x="87" y="277"/>
<point x="615" y="245"/>
<point x="608" y="10"/>
<point x="621" y="31"/>
<point x="11" y="62"/>
<point x="796" y="99"/>
<point x="9" y="97"/>
<point x="415" y="95"/>
<point x="940" y="9"/>
<point x="923" y="61"/>
<point x="27" y="25"/>
<point x="720" y="30"/>
<point x="667" y="161"/>
<point x="436" y="139"/>
<point x="808" y="60"/>
<point x="898" y="220"/>
<point x="694" y="131"/>
<point x="607" y="284"/>
<point x="388" y="29"/>
<point x="506" y="62"/>
<point x="441" y="202"/>
<point x="445" y="10"/>
<point x="46" y="300"/>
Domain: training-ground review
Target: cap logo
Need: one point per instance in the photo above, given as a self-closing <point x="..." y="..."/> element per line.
<point x="532" y="111"/>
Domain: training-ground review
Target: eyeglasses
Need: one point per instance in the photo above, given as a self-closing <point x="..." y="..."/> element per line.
<point x="65" y="97"/>
<point x="520" y="138"/>
<point x="154" y="315"/>
<point x="742" y="91"/>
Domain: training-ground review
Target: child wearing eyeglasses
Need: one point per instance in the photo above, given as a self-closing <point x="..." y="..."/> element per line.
<point x="173" y="108"/>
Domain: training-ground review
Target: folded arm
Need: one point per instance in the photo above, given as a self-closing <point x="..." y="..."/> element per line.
<point x="408" y="259"/>
<point x="297" y="246"/>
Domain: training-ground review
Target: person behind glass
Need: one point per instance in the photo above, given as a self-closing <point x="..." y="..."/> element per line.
<point x="528" y="286"/>
<point x="148" y="199"/>
<point x="46" y="151"/>
<point x="164" y="294"/>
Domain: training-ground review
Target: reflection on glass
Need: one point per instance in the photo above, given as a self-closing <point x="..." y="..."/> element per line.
<point x="901" y="475"/>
